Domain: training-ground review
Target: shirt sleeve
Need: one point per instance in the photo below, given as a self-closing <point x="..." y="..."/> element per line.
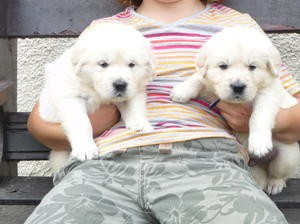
<point x="288" y="80"/>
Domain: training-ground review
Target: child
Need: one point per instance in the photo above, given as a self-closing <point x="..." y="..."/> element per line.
<point x="189" y="169"/>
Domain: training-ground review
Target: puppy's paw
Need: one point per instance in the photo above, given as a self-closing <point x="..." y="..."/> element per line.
<point x="181" y="93"/>
<point x="275" y="186"/>
<point x="86" y="153"/>
<point x="260" y="143"/>
<point x="147" y="128"/>
<point x="142" y="126"/>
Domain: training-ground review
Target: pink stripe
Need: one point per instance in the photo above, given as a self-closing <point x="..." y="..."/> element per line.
<point x="124" y="14"/>
<point x="158" y="87"/>
<point x="171" y="125"/>
<point x="176" y="46"/>
<point x="176" y="34"/>
<point x="112" y="132"/>
<point x="219" y="6"/>
<point x="168" y="125"/>
<point x="205" y="104"/>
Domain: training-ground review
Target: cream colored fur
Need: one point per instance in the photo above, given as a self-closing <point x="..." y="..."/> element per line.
<point x="244" y="59"/>
<point x="109" y="63"/>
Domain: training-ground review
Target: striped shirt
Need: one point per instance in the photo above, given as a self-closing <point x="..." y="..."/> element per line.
<point x="175" y="47"/>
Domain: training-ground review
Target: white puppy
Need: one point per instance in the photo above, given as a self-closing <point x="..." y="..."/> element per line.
<point x="241" y="65"/>
<point x="109" y="63"/>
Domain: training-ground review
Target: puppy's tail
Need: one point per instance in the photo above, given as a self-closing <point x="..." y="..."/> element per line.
<point x="58" y="159"/>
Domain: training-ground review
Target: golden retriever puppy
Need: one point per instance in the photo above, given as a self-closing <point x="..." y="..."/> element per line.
<point x="109" y="63"/>
<point x="240" y="65"/>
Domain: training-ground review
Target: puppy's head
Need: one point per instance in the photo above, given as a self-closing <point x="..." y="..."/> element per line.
<point x="237" y="63"/>
<point x="114" y="59"/>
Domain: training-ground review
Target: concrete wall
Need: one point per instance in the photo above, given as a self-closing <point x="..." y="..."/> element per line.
<point x="32" y="54"/>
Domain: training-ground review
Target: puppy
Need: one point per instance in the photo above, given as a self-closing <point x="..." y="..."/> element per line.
<point x="109" y="63"/>
<point x="240" y="65"/>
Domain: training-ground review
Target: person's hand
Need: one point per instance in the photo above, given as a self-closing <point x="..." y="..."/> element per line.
<point x="236" y="115"/>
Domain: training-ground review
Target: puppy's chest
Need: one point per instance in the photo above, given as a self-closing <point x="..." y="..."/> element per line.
<point x="207" y="94"/>
<point x="91" y="99"/>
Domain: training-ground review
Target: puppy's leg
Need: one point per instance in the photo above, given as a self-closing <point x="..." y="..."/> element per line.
<point x="134" y="113"/>
<point x="78" y="129"/>
<point x="283" y="166"/>
<point x="58" y="159"/>
<point x="260" y="176"/>
<point x="188" y="89"/>
<point x="262" y="120"/>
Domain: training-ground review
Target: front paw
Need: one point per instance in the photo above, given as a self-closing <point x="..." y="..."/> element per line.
<point x="181" y="93"/>
<point x="141" y="126"/>
<point x="260" y="143"/>
<point x="275" y="186"/>
<point x="85" y="153"/>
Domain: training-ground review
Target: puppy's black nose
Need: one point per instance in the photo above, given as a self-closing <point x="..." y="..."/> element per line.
<point x="238" y="87"/>
<point x="120" y="85"/>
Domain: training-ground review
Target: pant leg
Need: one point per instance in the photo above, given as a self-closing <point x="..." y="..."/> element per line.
<point x="205" y="182"/>
<point x="92" y="192"/>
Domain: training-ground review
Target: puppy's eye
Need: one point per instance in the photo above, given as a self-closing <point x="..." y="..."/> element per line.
<point x="131" y="65"/>
<point x="103" y="64"/>
<point x="223" y="66"/>
<point x="252" y="67"/>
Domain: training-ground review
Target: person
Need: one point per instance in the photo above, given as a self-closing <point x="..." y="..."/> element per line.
<point x="190" y="169"/>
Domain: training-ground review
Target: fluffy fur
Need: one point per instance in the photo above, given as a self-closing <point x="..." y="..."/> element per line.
<point x="241" y="65"/>
<point x="110" y="63"/>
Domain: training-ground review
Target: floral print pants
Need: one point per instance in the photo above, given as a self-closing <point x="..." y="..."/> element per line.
<point x="199" y="181"/>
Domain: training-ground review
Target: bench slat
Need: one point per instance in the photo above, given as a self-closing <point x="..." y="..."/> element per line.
<point x="23" y="190"/>
<point x="292" y="215"/>
<point x="26" y="156"/>
<point x="37" y="18"/>
<point x="55" y="17"/>
<point x="22" y="141"/>
<point x="290" y="196"/>
<point x="30" y="190"/>
<point x="19" y="144"/>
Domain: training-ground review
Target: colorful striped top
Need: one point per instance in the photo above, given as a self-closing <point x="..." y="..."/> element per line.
<point x="175" y="46"/>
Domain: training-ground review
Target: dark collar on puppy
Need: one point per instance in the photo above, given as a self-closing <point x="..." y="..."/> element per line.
<point x="214" y="103"/>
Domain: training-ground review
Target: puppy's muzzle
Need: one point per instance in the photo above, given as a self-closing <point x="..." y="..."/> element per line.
<point x="238" y="87"/>
<point x="120" y="87"/>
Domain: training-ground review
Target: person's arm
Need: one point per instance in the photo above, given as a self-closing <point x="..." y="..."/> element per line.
<point x="52" y="134"/>
<point x="287" y="128"/>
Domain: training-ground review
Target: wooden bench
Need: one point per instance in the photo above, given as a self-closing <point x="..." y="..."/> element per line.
<point x="66" y="18"/>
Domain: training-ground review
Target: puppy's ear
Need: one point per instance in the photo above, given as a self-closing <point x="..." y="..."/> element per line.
<point x="274" y="61"/>
<point x="76" y="56"/>
<point x="201" y="62"/>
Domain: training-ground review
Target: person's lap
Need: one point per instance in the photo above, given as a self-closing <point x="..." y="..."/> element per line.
<point x="203" y="181"/>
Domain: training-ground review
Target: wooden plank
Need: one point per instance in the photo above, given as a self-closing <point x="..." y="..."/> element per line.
<point x="3" y="18"/>
<point x="6" y="90"/>
<point x="37" y="18"/>
<point x="18" y="190"/>
<point x="292" y="215"/>
<point x="272" y="15"/>
<point x="19" y="144"/>
<point x="8" y="71"/>
<point x="17" y="117"/>
<point x="23" y="190"/>
<point x="1" y="133"/>
<point x="26" y="156"/>
<point x="15" y="214"/>
<point x="55" y="17"/>
<point x="22" y="141"/>
<point x="290" y="196"/>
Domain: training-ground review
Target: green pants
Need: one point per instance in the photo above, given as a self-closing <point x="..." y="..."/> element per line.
<point x="202" y="181"/>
